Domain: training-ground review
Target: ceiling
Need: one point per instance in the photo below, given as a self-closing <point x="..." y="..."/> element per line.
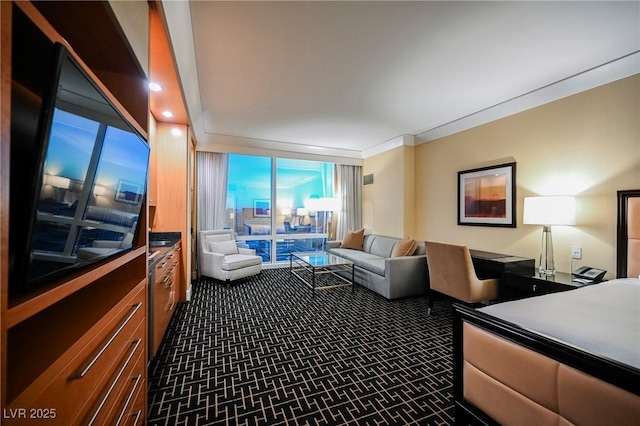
<point x="346" y="79"/>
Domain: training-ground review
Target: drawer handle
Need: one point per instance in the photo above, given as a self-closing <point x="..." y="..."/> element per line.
<point x="85" y="370"/>
<point x="136" y="344"/>
<point x="170" y="285"/>
<point x="129" y="398"/>
<point x="167" y="278"/>
<point x="162" y="265"/>
<point x="137" y="414"/>
<point x="170" y="308"/>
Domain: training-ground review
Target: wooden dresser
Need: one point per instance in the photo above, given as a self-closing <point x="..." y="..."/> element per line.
<point x="99" y="379"/>
<point x="73" y="351"/>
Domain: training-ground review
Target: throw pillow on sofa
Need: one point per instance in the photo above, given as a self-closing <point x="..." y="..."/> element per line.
<point x="405" y="247"/>
<point x="353" y="240"/>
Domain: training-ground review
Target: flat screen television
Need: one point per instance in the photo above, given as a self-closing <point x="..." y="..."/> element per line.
<point x="78" y="186"/>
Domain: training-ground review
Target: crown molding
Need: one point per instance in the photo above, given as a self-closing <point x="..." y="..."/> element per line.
<point x="402" y="140"/>
<point x="611" y="71"/>
<point x="242" y="145"/>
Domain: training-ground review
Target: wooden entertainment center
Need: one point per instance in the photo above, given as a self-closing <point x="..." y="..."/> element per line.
<point x="74" y="351"/>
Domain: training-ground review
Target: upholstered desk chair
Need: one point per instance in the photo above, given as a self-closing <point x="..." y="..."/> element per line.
<point x="221" y="258"/>
<point x="451" y="272"/>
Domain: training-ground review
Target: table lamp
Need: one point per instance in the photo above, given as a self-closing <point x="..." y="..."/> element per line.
<point x="301" y="213"/>
<point x="548" y="211"/>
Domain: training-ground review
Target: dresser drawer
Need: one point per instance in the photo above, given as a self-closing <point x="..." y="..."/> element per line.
<point x="77" y="382"/>
<point x="162" y="268"/>
<point x="118" y="393"/>
<point x="534" y="285"/>
<point x="163" y="307"/>
<point x="136" y="413"/>
<point x="165" y="291"/>
<point x="163" y="296"/>
<point x="173" y="255"/>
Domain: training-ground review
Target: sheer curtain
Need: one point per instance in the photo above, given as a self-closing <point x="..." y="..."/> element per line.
<point x="212" y="190"/>
<point x="349" y="179"/>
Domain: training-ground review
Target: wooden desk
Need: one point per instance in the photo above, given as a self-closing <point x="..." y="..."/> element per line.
<point x="503" y="266"/>
<point x="495" y="265"/>
<point x="518" y="275"/>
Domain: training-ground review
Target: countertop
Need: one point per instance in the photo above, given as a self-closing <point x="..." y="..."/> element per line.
<point x="166" y="242"/>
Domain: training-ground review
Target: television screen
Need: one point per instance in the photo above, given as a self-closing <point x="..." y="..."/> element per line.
<point x="90" y="183"/>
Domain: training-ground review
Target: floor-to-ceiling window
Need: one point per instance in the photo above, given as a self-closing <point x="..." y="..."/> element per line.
<point x="277" y="206"/>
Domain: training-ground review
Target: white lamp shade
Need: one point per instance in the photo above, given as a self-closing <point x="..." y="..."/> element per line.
<point x="550" y="210"/>
<point x="312" y="204"/>
<point x="330" y="204"/>
<point x="99" y="190"/>
<point x="324" y="204"/>
<point x="57" y="181"/>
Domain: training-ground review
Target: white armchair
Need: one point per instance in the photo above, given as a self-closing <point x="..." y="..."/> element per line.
<point x="221" y="258"/>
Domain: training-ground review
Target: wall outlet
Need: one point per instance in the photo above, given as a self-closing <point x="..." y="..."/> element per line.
<point x="576" y="252"/>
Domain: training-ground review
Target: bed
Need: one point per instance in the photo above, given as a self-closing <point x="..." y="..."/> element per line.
<point x="570" y="358"/>
<point x="257" y="227"/>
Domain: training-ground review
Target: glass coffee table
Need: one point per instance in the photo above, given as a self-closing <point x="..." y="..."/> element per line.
<point x="308" y="267"/>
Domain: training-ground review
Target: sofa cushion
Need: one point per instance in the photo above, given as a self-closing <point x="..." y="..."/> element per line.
<point x="373" y="264"/>
<point x="238" y="261"/>
<point x="353" y="239"/>
<point x="224" y="247"/>
<point x="364" y="260"/>
<point x="368" y="240"/>
<point x="404" y="247"/>
<point x="420" y="249"/>
<point x="382" y="246"/>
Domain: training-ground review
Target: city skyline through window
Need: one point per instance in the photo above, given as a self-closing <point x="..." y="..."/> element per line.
<point x="273" y="204"/>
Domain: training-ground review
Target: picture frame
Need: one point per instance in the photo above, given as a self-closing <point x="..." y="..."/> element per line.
<point x="486" y="196"/>
<point x="128" y="192"/>
<point x="261" y="208"/>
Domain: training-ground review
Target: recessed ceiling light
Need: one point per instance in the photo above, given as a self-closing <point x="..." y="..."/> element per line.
<point x="167" y="114"/>
<point x="155" y="87"/>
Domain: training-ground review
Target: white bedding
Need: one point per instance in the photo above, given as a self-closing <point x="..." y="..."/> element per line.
<point x="602" y="318"/>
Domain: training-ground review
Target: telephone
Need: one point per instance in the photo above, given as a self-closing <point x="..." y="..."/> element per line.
<point x="588" y="275"/>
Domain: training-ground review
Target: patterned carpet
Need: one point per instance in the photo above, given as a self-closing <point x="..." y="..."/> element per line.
<point x="262" y="351"/>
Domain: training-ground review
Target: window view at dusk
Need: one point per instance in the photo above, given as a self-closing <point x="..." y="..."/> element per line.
<point x="297" y="212"/>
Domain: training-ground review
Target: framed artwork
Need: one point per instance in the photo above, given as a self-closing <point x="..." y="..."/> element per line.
<point x="261" y="208"/>
<point x="128" y="192"/>
<point x="486" y="196"/>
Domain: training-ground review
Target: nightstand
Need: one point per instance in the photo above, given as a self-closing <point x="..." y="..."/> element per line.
<point x="517" y="286"/>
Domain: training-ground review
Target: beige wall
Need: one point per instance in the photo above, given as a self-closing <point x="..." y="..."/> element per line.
<point x="389" y="203"/>
<point x="587" y="144"/>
